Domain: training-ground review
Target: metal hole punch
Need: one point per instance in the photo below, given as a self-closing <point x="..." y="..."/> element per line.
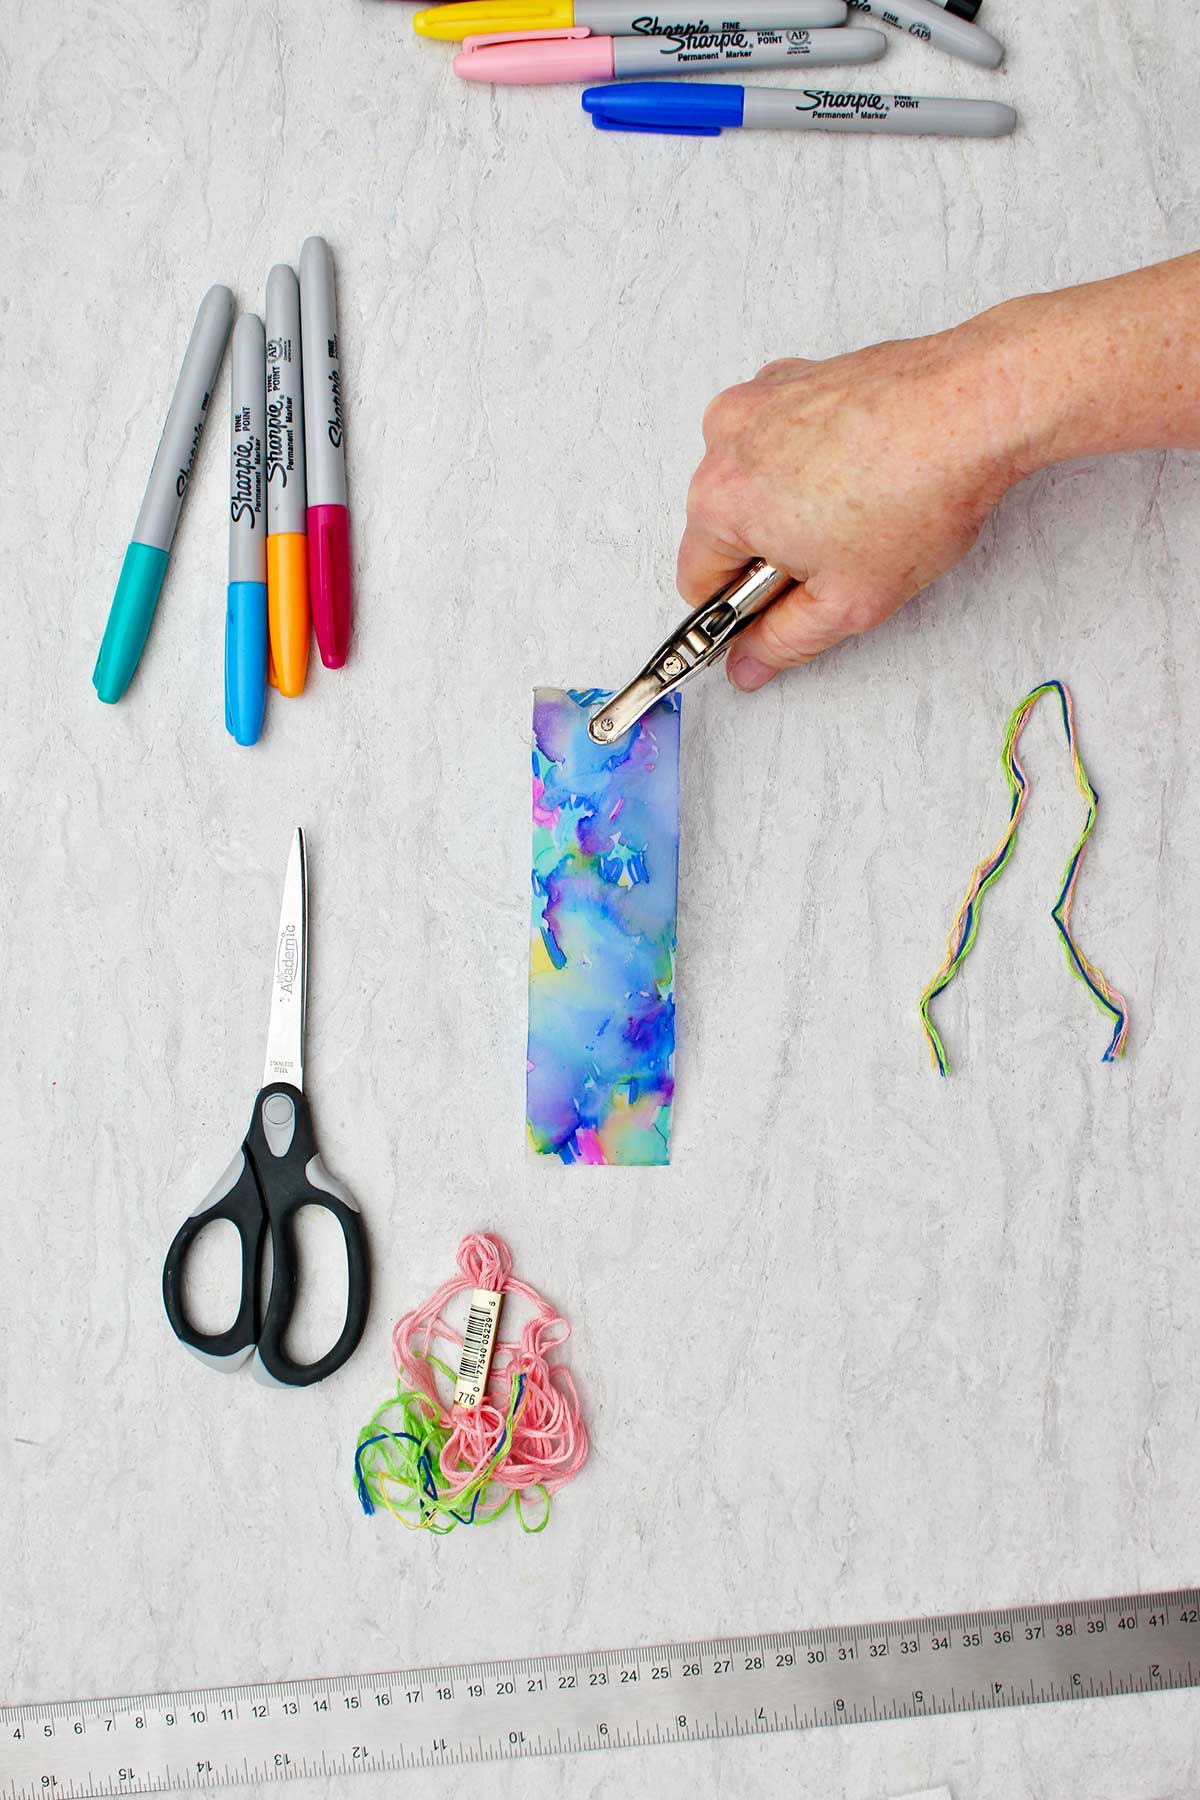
<point x="702" y="639"/>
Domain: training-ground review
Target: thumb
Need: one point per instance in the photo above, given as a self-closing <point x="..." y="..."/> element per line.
<point x="793" y="630"/>
<point x="708" y="560"/>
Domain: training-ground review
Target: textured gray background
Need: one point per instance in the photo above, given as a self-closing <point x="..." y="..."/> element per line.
<point x="873" y="1345"/>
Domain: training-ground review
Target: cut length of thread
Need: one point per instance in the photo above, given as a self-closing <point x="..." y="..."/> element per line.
<point x="435" y="1465"/>
<point x="966" y="923"/>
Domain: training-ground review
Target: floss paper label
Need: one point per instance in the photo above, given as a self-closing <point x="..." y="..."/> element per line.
<point x="601" y="1056"/>
<point x="479" y="1340"/>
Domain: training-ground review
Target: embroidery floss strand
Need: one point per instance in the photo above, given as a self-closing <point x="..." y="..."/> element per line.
<point x="966" y="923"/>
<point x="435" y="1464"/>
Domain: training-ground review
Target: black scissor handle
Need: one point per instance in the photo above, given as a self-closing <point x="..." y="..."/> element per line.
<point x="235" y="1197"/>
<point x="282" y="1147"/>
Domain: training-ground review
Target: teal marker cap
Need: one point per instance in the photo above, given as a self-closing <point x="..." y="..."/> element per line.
<point x="129" y="619"/>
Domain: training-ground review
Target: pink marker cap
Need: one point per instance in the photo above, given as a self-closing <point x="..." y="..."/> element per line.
<point x="329" y="581"/>
<point x="536" y="56"/>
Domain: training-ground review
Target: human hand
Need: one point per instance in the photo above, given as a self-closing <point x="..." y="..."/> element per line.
<point x="865" y="477"/>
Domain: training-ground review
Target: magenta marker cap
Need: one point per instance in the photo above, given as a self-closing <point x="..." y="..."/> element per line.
<point x="325" y="455"/>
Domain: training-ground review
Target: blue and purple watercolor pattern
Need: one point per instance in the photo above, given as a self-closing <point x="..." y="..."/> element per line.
<point x="600" y="1067"/>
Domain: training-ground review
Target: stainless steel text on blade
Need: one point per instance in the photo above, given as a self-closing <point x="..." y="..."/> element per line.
<point x="289" y="975"/>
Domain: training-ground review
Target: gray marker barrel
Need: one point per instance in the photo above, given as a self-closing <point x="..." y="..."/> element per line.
<point x="620" y="18"/>
<point x="936" y="25"/>
<point x="176" y="453"/>
<point x="247" y="463"/>
<point x="911" y="115"/>
<point x="323" y="430"/>
<point x="704" y="49"/>
<point x="286" y="489"/>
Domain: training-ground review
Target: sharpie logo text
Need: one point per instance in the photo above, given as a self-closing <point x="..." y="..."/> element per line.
<point x="245" y="502"/>
<point x="278" y="439"/>
<point x="817" y="101"/>
<point x="693" y="34"/>
<point x="184" y="475"/>
<point x="335" y="394"/>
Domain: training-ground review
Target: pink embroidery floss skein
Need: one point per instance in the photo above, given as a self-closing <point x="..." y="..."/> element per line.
<point x="513" y="1430"/>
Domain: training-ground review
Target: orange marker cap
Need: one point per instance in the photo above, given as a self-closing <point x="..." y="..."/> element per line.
<point x="287" y="609"/>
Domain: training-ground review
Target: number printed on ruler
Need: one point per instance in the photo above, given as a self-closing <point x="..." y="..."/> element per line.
<point x="479" y="1340"/>
<point x="470" y="1713"/>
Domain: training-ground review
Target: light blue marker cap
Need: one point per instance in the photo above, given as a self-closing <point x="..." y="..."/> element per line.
<point x="246" y="596"/>
<point x="245" y="659"/>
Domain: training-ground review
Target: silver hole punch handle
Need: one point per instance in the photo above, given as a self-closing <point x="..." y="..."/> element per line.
<point x="703" y="638"/>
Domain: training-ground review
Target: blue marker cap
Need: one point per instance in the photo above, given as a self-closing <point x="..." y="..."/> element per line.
<point x="669" y="108"/>
<point x="245" y="659"/>
<point x="246" y="605"/>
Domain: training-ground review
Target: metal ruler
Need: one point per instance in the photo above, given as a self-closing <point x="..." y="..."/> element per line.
<point x="546" y="1705"/>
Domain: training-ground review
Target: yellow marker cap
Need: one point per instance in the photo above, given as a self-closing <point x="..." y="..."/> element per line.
<point x="472" y="18"/>
<point x="287" y="610"/>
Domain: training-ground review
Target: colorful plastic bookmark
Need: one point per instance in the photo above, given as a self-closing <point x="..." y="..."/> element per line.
<point x="600" y="1063"/>
<point x="966" y="923"/>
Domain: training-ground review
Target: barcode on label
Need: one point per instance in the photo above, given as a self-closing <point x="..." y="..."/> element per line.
<point x="479" y="1340"/>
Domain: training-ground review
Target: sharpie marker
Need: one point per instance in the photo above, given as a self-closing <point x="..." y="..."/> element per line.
<point x="146" y="558"/>
<point x="328" y="516"/>
<point x="946" y="27"/>
<point x="575" y="55"/>
<point x="706" y="110"/>
<point x="287" y="541"/>
<point x="246" y="598"/>
<point x="616" y="18"/>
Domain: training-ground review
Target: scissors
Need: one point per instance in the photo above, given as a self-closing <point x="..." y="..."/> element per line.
<point x="700" y="641"/>
<point x="277" y="1171"/>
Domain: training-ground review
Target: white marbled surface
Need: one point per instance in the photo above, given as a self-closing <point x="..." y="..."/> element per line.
<point x="873" y="1345"/>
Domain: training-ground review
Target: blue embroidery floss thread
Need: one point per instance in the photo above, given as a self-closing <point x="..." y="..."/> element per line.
<point x="966" y="921"/>
<point x="511" y="1434"/>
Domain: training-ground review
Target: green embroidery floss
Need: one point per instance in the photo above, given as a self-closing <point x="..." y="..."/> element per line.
<point x="398" y="1466"/>
<point x="966" y="923"/>
<point x="505" y="1433"/>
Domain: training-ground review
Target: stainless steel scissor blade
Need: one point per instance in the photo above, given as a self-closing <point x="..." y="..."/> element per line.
<point x="289" y="977"/>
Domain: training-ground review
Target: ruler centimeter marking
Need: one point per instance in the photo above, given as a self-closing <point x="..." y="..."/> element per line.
<point x="465" y="1713"/>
